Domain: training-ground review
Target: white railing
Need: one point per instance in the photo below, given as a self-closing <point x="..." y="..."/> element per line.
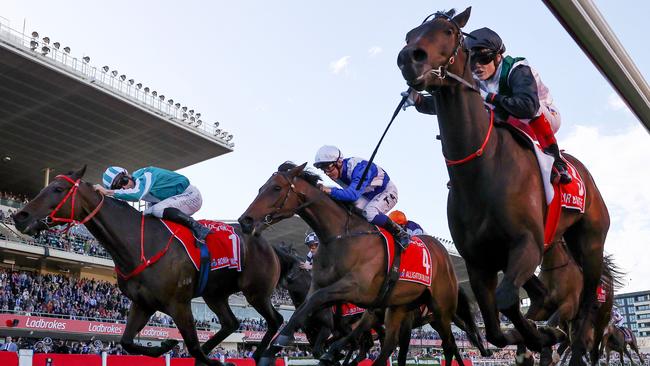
<point x="112" y="81"/>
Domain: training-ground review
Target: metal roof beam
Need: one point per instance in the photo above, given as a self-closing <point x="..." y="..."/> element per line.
<point x="591" y="32"/>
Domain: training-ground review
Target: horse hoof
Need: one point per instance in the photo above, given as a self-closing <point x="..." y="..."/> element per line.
<point x="265" y="361"/>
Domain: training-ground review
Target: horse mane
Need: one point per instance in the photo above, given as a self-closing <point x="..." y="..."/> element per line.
<point x="612" y="274"/>
<point x="313" y="179"/>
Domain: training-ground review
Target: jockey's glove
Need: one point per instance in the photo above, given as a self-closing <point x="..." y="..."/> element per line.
<point x="412" y="95"/>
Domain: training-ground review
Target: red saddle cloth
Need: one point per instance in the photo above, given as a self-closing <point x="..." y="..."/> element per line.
<point x="415" y="265"/>
<point x="223" y="243"/>
<point x="349" y="309"/>
<point x="601" y="294"/>
<point x="570" y="196"/>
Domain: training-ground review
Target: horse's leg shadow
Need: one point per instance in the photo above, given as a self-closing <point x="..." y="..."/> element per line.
<point x="137" y="319"/>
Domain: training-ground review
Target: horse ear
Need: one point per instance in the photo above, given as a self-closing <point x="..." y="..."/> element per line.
<point x="79" y="173"/>
<point x="462" y="18"/>
<point x="297" y="170"/>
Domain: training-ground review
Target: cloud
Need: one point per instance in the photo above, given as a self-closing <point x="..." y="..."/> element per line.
<point x="340" y="65"/>
<point x="374" y="51"/>
<point x="615" y="103"/>
<point x="618" y="164"/>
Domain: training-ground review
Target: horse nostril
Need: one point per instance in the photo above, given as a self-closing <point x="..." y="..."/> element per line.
<point x="20" y="216"/>
<point x="419" y="55"/>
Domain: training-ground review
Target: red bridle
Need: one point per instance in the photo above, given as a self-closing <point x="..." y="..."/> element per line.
<point x="71" y="221"/>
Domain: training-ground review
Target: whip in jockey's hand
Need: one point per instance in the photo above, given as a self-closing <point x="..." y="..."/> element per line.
<point x="375" y="195"/>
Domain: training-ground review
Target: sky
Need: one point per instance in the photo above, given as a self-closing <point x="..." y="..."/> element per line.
<point x="286" y="77"/>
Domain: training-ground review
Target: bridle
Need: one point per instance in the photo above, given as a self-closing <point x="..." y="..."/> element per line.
<point x="275" y="215"/>
<point x="51" y="219"/>
<point x="442" y="71"/>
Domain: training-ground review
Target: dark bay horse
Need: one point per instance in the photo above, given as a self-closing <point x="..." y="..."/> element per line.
<point x="323" y="325"/>
<point x="350" y="265"/>
<point x="614" y="340"/>
<point x="167" y="285"/>
<point x="496" y="204"/>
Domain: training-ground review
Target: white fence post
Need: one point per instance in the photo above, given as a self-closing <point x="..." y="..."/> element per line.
<point x="104" y="358"/>
<point x="25" y="357"/>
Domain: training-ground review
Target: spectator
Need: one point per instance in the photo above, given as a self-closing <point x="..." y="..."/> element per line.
<point x="9" y="345"/>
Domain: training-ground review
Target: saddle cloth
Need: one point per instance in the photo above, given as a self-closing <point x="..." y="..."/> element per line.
<point x="572" y="194"/>
<point x="415" y="265"/>
<point x="223" y="244"/>
<point x="601" y="294"/>
<point x="348" y="309"/>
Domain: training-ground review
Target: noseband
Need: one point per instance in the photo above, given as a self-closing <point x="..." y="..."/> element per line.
<point x="71" y="221"/>
<point x="269" y="218"/>
<point x="442" y="71"/>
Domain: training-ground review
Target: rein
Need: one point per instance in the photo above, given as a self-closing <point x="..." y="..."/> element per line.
<point x="71" y="221"/>
<point x="569" y="259"/>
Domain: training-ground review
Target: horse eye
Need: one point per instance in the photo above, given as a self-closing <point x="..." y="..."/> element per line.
<point x="277" y="188"/>
<point x="450" y="32"/>
<point x="59" y="189"/>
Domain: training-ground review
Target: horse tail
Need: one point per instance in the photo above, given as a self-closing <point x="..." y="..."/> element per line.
<point x="612" y="274"/>
<point x="465" y="314"/>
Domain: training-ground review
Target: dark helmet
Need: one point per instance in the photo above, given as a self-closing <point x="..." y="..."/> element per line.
<point x="311" y="238"/>
<point x="485" y="38"/>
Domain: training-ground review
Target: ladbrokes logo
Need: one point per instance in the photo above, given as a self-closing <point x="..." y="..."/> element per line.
<point x="45" y="324"/>
<point x="101" y="328"/>
<point x="154" y="332"/>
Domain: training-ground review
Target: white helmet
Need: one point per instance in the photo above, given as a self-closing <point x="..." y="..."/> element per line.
<point x="327" y="154"/>
<point x="108" y="178"/>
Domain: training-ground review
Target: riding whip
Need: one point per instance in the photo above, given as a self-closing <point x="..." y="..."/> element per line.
<point x="372" y="157"/>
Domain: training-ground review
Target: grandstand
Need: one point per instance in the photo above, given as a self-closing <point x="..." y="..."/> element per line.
<point x="64" y="286"/>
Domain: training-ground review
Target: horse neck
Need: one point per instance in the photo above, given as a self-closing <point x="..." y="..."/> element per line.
<point x="463" y="121"/>
<point x="117" y="228"/>
<point x="328" y="219"/>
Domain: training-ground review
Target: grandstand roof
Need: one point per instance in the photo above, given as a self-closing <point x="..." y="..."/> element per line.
<point x="51" y="117"/>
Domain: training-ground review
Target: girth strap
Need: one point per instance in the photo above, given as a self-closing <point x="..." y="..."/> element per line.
<point x="391" y="277"/>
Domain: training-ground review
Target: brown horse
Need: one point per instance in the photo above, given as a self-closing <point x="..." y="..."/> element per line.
<point x="350" y="265"/>
<point x="496" y="205"/>
<point x="167" y="285"/>
<point x="614" y="340"/>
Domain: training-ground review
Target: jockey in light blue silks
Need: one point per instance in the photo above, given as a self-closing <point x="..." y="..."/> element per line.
<point x="376" y="195"/>
<point x="169" y="195"/>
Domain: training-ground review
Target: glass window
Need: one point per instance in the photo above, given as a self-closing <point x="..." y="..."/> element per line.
<point x="630" y="310"/>
<point x="619" y="301"/>
<point x="629" y="301"/>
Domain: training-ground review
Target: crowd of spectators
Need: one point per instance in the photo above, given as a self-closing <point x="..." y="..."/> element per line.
<point x="13" y="199"/>
<point x="281" y="297"/>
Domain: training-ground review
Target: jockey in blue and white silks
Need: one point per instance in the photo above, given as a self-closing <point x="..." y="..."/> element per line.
<point x="376" y="195"/>
<point x="170" y="195"/>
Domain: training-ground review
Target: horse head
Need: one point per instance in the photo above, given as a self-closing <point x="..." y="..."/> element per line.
<point x="279" y="198"/>
<point x="56" y="204"/>
<point x="432" y="49"/>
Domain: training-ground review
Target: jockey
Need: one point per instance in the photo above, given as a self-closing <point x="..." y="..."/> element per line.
<point x="311" y="240"/>
<point x="510" y="87"/>
<point x="412" y="228"/>
<point x="617" y="318"/>
<point x="376" y="196"/>
<point x="171" y="194"/>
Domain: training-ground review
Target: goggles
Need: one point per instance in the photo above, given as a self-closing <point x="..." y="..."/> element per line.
<point x="482" y="58"/>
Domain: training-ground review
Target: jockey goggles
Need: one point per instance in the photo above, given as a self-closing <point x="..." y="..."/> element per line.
<point x="120" y="181"/>
<point x="325" y="165"/>
<point x="482" y="57"/>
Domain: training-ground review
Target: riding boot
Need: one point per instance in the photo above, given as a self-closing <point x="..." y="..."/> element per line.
<point x="559" y="163"/>
<point x="546" y="138"/>
<point x="402" y="237"/>
<point x="199" y="231"/>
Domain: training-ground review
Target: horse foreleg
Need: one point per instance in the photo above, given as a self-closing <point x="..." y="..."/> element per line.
<point x="333" y="353"/>
<point x="273" y="319"/>
<point x="137" y="319"/>
<point x="228" y="321"/>
<point x="182" y="315"/>
<point x="393" y="323"/>
<point x="405" y="339"/>
<point x="629" y="355"/>
<point x="483" y="284"/>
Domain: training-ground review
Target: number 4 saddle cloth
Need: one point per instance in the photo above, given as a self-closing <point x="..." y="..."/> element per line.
<point x="223" y="243"/>
<point x="415" y="265"/>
